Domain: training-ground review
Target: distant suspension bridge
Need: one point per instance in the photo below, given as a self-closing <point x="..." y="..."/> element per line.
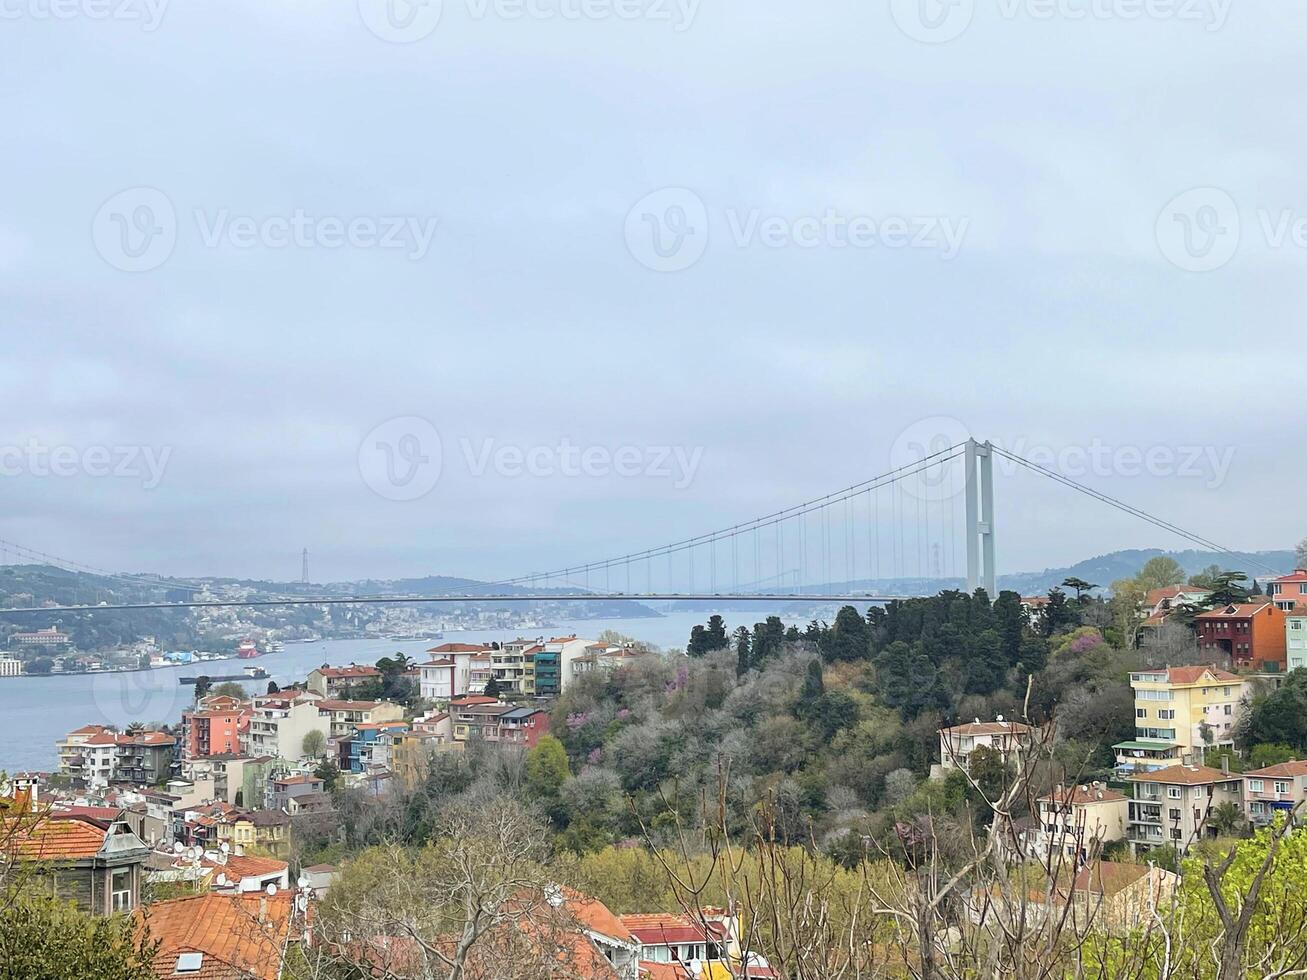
<point x="901" y="526"/>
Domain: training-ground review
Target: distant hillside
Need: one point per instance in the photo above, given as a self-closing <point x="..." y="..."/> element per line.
<point x="1102" y="570"/>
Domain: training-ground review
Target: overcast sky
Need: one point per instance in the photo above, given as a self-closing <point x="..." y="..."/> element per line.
<point x="330" y="268"/>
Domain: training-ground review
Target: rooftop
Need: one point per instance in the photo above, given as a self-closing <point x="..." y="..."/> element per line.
<point x="1184" y="775"/>
<point x="220" y="937"/>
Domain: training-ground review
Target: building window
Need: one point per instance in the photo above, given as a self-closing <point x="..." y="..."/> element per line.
<point x="1175" y="833"/>
<point x="1175" y="813"/>
<point x="1281" y="787"/>
<point x="1141" y="712"/>
<point x="121" y="888"/>
<point x="1174" y="792"/>
<point x="1255" y="785"/>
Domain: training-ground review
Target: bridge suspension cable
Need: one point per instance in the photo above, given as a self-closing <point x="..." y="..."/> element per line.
<point x="796" y="512"/>
<point x="1121" y="505"/>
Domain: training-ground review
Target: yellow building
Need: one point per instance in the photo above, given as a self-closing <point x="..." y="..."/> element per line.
<point x="1179" y="712"/>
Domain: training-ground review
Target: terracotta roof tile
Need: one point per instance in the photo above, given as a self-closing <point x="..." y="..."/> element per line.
<point x="226" y="929"/>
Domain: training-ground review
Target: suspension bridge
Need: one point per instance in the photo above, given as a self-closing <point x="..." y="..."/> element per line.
<point x="931" y="519"/>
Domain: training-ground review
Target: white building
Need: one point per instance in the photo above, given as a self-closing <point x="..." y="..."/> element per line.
<point x="10" y="667"/>
<point x="1076" y="821"/>
<point x="280" y="724"/>
<point x="448" y="674"/>
<point x="1295" y="625"/>
<point x="957" y="743"/>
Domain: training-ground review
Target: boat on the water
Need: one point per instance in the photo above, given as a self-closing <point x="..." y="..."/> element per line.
<point x="251" y="674"/>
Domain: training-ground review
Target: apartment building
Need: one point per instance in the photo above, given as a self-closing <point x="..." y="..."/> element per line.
<point x="1076" y="821"/>
<point x="345" y="716"/>
<point x="94" y="756"/>
<point x="1295" y="642"/>
<point x="10" y="667"/>
<point x="1289" y="592"/>
<point x="1179" y="711"/>
<point x="448" y="674"/>
<point x="514" y="667"/>
<point x="957" y="743"/>
<point x="1251" y="634"/>
<point x="87" y="756"/>
<point x="278" y="726"/>
<point x="337" y="682"/>
<point x="213" y="732"/>
<point x="144" y="758"/>
<point x="1274" y="789"/>
<point x="1172" y="805"/>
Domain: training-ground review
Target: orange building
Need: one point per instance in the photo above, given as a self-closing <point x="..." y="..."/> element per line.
<point x="1251" y="634"/>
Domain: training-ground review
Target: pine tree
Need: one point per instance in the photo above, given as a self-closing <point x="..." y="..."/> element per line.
<point x="743" y="653"/>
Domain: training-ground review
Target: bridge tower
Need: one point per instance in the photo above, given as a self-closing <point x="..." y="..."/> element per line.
<point x="980" y="518"/>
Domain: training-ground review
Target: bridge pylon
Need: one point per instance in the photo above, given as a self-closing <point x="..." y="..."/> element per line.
<point x="980" y="518"/>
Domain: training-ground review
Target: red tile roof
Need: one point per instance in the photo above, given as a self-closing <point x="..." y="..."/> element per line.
<point x="1238" y="610"/>
<point x="661" y="929"/>
<point x="240" y="937"/>
<point x="345" y="673"/>
<point x="1192" y="675"/>
<point x="1185" y="775"/>
<point x="1083" y="795"/>
<point x="990" y="728"/>
<point x="1293" y="767"/>
<point x="59" y="838"/>
<point x="595" y="916"/>
<point x="460" y="648"/>
<point x="246" y="866"/>
<point x="1107" y="878"/>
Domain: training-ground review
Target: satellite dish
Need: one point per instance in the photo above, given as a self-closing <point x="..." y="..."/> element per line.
<point x="302" y="881"/>
<point x="224" y="847"/>
<point x="221" y="880"/>
<point x="271" y="889"/>
<point x="194" y="853"/>
<point x="178" y="847"/>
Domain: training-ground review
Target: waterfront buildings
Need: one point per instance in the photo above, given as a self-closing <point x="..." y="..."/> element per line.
<point x="10" y="667"/>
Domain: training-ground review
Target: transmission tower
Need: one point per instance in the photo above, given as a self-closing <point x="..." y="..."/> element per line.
<point x="304" y="566"/>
